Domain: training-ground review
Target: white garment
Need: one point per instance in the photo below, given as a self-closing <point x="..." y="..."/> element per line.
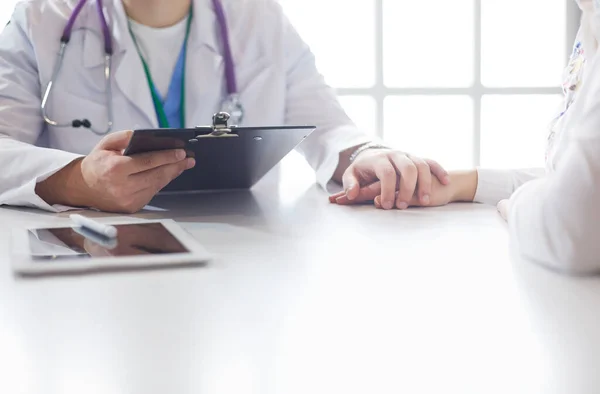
<point x="160" y="50"/>
<point x="555" y="220"/>
<point x="278" y="83"/>
<point x="496" y="185"/>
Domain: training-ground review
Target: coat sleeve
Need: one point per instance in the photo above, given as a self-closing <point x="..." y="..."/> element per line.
<point x="309" y="100"/>
<point x="23" y="164"/>
<point x="494" y="185"/>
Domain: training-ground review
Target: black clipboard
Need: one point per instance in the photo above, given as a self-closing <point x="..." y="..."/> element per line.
<point x="227" y="157"/>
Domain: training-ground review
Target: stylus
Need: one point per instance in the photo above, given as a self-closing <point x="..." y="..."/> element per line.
<point x="99" y="228"/>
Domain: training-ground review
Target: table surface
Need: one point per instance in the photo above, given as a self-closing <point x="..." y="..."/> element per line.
<point x="305" y="297"/>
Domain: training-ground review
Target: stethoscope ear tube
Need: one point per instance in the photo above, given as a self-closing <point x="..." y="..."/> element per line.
<point x="77" y="123"/>
<point x="231" y="103"/>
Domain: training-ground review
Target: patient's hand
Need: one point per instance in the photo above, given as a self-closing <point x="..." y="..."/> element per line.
<point x="462" y="187"/>
<point x="503" y="209"/>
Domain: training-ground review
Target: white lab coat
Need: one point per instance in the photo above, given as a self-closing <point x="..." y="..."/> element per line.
<point x="554" y="220"/>
<point x="277" y="81"/>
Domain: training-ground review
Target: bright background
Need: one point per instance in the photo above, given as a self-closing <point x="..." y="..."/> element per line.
<point x="466" y="82"/>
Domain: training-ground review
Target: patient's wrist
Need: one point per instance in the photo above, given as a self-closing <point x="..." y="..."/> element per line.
<point x="464" y="185"/>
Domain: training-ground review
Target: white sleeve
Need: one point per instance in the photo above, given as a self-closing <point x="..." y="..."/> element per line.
<point x="23" y="164"/>
<point x="496" y="185"/>
<point x="309" y="100"/>
<point x="555" y="221"/>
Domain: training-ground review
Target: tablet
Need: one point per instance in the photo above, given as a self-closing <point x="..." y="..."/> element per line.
<point x="232" y="158"/>
<point x="148" y="244"/>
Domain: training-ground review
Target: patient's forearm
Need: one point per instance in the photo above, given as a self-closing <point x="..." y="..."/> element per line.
<point x="464" y="185"/>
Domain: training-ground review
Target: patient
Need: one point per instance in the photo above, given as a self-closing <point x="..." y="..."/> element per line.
<point x="553" y="215"/>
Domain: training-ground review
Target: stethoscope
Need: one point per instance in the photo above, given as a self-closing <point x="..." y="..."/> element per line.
<point x="231" y="104"/>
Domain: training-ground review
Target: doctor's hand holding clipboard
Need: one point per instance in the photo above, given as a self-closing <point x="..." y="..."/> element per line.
<point x="74" y="74"/>
<point x="109" y="181"/>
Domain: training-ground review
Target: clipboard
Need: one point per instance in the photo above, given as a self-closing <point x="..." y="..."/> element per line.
<point x="227" y="157"/>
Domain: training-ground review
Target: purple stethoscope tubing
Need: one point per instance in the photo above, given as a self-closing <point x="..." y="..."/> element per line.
<point x="231" y="102"/>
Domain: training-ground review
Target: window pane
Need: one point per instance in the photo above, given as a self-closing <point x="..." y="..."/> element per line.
<point x="435" y="127"/>
<point x="523" y="42"/>
<point x="341" y="34"/>
<point x="6" y="9"/>
<point x="362" y="110"/>
<point x="428" y="43"/>
<point x="514" y="129"/>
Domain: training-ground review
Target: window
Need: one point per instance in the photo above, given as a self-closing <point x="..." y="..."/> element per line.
<point x="6" y="10"/>
<point x="462" y="81"/>
<point x="465" y="82"/>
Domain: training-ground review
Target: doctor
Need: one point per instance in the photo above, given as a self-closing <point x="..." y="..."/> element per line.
<point x="76" y="75"/>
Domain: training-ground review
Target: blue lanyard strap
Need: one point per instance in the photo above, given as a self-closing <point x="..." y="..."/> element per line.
<point x="159" y="107"/>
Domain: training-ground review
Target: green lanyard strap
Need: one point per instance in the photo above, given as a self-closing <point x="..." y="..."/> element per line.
<point x="158" y="103"/>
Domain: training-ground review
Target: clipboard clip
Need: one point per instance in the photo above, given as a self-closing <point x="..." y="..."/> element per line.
<point x="220" y="126"/>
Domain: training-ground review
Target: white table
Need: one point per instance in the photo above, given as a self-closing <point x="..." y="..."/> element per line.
<point x="306" y="297"/>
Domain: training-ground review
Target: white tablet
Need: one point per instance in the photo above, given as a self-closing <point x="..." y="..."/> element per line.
<point x="141" y="245"/>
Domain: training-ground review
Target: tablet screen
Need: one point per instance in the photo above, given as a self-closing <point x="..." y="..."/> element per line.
<point x="75" y="243"/>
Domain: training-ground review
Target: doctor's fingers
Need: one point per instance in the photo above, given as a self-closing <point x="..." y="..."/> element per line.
<point x="409" y="173"/>
<point x="387" y="174"/>
<point x="150" y="160"/>
<point x="413" y="203"/>
<point x="116" y="141"/>
<point x="393" y="171"/>
<point x="142" y="187"/>
<point x="157" y="178"/>
<point x="351" y="183"/>
<point x="367" y="193"/>
<point x="423" y="179"/>
<point x="436" y="169"/>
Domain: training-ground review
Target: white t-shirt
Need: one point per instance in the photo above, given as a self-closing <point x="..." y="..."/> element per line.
<point x="160" y="48"/>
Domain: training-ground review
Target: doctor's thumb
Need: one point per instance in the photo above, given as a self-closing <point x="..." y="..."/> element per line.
<point x="351" y="185"/>
<point x="116" y="141"/>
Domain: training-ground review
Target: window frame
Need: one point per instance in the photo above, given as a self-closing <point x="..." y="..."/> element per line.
<point x="380" y="91"/>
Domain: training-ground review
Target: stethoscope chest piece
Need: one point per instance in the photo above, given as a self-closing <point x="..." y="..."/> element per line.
<point x="233" y="107"/>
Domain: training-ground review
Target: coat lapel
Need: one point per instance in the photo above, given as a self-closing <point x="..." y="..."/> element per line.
<point x="205" y="82"/>
<point x="128" y="75"/>
<point x="129" y="71"/>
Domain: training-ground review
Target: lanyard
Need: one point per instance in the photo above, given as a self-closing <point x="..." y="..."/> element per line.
<point x="159" y="106"/>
